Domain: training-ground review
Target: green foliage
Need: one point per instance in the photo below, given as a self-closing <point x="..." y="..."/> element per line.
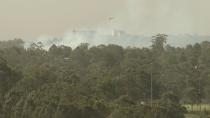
<point x="105" y="81"/>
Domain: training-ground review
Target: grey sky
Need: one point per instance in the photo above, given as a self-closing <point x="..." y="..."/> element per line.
<point x="29" y="19"/>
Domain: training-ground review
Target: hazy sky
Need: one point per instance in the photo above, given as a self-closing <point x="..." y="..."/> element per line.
<point x="29" y="19"/>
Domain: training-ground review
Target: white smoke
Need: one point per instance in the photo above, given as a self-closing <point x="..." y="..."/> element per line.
<point x="164" y="16"/>
<point x="93" y="38"/>
<point x="96" y="37"/>
<point x="142" y="17"/>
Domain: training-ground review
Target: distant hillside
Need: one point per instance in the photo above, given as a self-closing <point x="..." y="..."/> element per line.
<point x="186" y="39"/>
<point x="12" y="43"/>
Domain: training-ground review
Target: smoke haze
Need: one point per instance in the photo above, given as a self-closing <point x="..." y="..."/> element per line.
<point x="47" y="19"/>
<point x="97" y="37"/>
<point x="165" y="16"/>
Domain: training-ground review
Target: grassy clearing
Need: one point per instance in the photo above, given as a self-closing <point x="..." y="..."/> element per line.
<point x="194" y="112"/>
<point x="191" y="116"/>
<point x="204" y="107"/>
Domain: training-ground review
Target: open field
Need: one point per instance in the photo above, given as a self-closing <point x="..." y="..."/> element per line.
<point x="203" y="107"/>
<point x="191" y="116"/>
<point x="193" y="111"/>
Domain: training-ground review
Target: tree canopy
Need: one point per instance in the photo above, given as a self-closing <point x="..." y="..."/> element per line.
<point x="105" y="81"/>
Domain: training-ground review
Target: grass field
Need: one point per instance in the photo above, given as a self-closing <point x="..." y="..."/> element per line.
<point x="204" y="107"/>
<point x="195" y="110"/>
<point x="191" y="116"/>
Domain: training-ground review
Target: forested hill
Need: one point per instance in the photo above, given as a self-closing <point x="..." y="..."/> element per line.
<point x="104" y="81"/>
